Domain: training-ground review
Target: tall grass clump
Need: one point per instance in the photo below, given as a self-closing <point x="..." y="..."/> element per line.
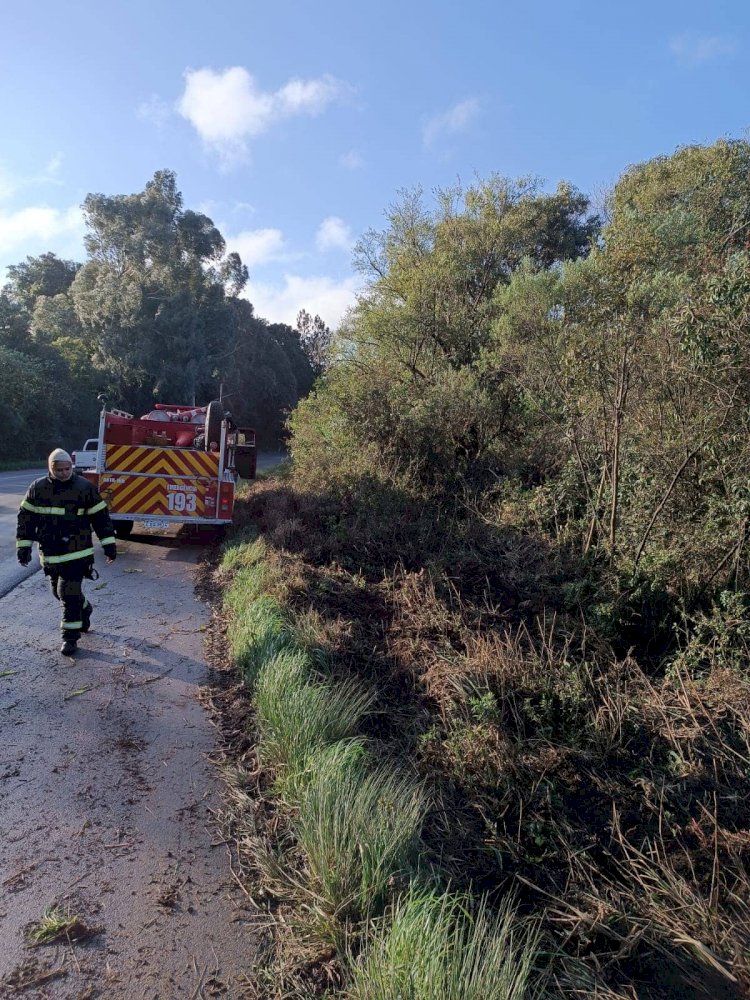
<point x="244" y="549"/>
<point x="359" y="829"/>
<point x="448" y="947"/>
<point x="298" y="714"/>
<point x="257" y="631"/>
<point x="250" y="576"/>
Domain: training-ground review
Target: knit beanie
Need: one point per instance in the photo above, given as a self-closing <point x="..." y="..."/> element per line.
<point x="58" y="455"/>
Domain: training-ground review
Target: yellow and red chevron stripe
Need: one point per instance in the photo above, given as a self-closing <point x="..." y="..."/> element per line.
<point x="150" y="496"/>
<point x="167" y="461"/>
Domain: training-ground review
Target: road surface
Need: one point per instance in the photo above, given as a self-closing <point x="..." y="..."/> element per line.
<point x="13" y="486"/>
<point x="107" y="796"/>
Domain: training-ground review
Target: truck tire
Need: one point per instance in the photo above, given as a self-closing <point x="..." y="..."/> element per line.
<point x="123" y="529"/>
<point x="214" y="417"/>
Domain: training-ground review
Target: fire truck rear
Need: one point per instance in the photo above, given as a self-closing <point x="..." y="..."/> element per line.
<point x="177" y="464"/>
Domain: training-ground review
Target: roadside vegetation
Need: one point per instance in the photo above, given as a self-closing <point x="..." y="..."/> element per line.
<point x="492" y="623"/>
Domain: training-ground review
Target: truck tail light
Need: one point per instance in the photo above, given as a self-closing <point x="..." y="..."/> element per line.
<point x="226" y="498"/>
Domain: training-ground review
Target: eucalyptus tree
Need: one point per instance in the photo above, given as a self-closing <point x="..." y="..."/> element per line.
<point x="154" y="291"/>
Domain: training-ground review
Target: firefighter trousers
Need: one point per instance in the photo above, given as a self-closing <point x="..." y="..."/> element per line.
<point x="76" y="610"/>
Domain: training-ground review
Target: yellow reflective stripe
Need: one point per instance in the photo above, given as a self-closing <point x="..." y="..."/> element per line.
<point x="69" y="556"/>
<point x="108" y="541"/>
<point x="25" y="505"/>
<point x="22" y="543"/>
<point x="72" y="624"/>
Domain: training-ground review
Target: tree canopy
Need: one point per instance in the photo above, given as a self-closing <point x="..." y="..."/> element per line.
<point x="512" y="354"/>
<point x="154" y="313"/>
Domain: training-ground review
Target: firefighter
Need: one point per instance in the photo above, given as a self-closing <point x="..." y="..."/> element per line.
<point x="58" y="512"/>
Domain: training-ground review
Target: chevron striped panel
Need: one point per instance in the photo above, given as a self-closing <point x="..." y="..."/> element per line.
<point x="149" y="460"/>
<point x="162" y="496"/>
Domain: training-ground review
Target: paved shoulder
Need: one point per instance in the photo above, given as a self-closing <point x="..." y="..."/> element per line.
<point x="107" y="798"/>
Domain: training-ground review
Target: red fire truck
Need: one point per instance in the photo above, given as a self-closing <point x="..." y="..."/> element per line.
<point x="177" y="464"/>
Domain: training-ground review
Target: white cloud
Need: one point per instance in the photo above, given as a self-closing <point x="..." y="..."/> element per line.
<point x="37" y="228"/>
<point x="351" y="160"/>
<point x="8" y="184"/>
<point x="53" y="168"/>
<point x="228" y="108"/>
<point x="257" y="246"/>
<point x="454" y="120"/>
<point x="695" y="49"/>
<point x="333" y="234"/>
<point x="310" y="97"/>
<point x="319" y="295"/>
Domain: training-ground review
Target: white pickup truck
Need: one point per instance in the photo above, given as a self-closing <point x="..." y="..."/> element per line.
<point x="86" y="457"/>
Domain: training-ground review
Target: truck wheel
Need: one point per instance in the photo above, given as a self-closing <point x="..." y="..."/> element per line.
<point x="214" y="417"/>
<point x="123" y="529"/>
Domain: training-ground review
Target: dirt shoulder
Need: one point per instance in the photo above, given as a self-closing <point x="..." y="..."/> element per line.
<point x="108" y="798"/>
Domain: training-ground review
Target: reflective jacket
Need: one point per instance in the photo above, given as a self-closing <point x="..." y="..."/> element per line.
<point x="59" y="516"/>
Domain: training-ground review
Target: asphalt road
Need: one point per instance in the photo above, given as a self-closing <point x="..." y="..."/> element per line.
<point x="108" y="799"/>
<point x="13" y="486"/>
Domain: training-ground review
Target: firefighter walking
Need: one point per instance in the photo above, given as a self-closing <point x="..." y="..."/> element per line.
<point x="59" y="512"/>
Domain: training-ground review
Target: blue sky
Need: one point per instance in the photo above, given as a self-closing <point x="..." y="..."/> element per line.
<point x="294" y="123"/>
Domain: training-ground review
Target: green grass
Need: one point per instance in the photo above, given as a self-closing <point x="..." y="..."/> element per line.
<point x="256" y="633"/>
<point x="298" y="714"/>
<point x="448" y="947"/>
<point x="58" y="923"/>
<point x="359" y="828"/>
<point x="245" y="549"/>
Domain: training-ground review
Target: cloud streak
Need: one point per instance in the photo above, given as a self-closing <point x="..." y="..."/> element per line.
<point x="228" y="108"/>
<point x="318" y="294"/>
<point x="451" y="122"/>
<point x="351" y="160"/>
<point x="694" y="49"/>
<point x="258" y="246"/>
<point x="333" y="234"/>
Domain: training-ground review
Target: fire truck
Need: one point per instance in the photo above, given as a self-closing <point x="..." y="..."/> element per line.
<point x="177" y="464"/>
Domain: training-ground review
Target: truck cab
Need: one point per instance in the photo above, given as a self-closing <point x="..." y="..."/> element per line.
<point x="86" y="457"/>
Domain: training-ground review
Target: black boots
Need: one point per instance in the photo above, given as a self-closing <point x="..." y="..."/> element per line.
<point x="68" y="648"/>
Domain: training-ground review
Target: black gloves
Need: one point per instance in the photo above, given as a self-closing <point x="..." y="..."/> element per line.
<point x="110" y="551"/>
<point x="23" y="555"/>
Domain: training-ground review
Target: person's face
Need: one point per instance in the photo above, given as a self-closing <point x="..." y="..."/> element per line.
<point x="62" y="471"/>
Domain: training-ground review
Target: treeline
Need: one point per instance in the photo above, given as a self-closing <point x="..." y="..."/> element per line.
<point x="521" y="368"/>
<point x="153" y="314"/>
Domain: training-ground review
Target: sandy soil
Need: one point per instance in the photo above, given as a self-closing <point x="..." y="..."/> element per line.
<point x="107" y="795"/>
